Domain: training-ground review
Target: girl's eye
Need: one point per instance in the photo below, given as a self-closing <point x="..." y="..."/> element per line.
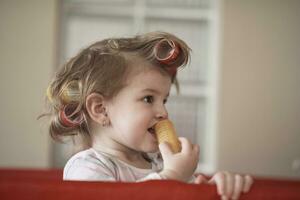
<point x="148" y="99"/>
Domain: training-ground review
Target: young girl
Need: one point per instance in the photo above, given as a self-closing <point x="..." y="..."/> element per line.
<point x="111" y="95"/>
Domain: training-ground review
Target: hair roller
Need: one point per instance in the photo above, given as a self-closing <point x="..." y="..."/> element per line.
<point x="49" y="94"/>
<point x="69" y="117"/>
<point x="70" y="92"/>
<point x="166" y="51"/>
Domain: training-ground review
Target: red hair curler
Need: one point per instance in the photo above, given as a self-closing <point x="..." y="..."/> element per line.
<point x="68" y="118"/>
<point x="166" y="51"/>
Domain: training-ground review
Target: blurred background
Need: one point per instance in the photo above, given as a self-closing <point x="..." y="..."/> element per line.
<point x="239" y="97"/>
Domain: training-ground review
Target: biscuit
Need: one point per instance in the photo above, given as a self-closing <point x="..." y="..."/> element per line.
<point x="165" y="132"/>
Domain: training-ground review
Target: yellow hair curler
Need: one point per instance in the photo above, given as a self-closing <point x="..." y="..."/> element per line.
<point x="70" y="92"/>
<point x="49" y="95"/>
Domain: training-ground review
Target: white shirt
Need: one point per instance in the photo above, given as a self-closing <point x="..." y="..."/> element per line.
<point x="93" y="165"/>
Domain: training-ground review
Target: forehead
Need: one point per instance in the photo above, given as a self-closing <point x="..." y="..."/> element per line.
<point x="149" y="77"/>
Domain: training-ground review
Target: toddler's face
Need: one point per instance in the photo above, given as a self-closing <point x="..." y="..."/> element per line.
<point x="137" y="108"/>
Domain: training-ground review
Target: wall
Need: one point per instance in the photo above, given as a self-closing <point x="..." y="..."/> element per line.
<point x="259" y="100"/>
<point x="259" y="127"/>
<point x="27" y="38"/>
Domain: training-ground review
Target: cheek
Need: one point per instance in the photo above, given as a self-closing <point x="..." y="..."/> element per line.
<point x="123" y="118"/>
<point x="128" y="116"/>
<point x="133" y="125"/>
<point x="134" y="121"/>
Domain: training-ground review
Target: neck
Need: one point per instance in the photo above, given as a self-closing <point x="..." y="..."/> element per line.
<point x="115" y="149"/>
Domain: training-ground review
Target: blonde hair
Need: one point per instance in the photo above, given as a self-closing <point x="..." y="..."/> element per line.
<point x="103" y="68"/>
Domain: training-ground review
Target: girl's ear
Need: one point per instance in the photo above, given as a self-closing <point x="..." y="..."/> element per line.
<point x="95" y="105"/>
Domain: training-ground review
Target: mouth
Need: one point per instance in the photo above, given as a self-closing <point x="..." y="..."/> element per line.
<point x="151" y="130"/>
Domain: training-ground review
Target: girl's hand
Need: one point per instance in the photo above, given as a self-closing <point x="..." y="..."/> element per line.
<point x="179" y="166"/>
<point x="229" y="186"/>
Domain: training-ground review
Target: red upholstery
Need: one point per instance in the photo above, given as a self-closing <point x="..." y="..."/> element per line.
<point x="48" y="184"/>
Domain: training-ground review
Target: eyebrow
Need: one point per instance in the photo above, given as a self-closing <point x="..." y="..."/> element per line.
<point x="153" y="91"/>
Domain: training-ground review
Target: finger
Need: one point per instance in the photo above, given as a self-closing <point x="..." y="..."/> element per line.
<point x="165" y="149"/>
<point x="185" y="145"/>
<point x="248" y="183"/>
<point x="238" y="187"/>
<point x="200" y="179"/>
<point x="229" y="183"/>
<point x="219" y="180"/>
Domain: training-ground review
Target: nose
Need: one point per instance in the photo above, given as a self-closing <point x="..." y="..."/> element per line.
<point x="162" y="113"/>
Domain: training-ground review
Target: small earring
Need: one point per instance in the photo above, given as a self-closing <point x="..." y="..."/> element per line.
<point x="105" y="122"/>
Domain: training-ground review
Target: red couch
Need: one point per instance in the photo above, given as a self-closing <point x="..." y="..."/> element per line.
<point x="47" y="184"/>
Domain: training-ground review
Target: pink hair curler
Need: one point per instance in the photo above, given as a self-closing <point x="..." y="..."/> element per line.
<point x="166" y="51"/>
<point x="68" y="118"/>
